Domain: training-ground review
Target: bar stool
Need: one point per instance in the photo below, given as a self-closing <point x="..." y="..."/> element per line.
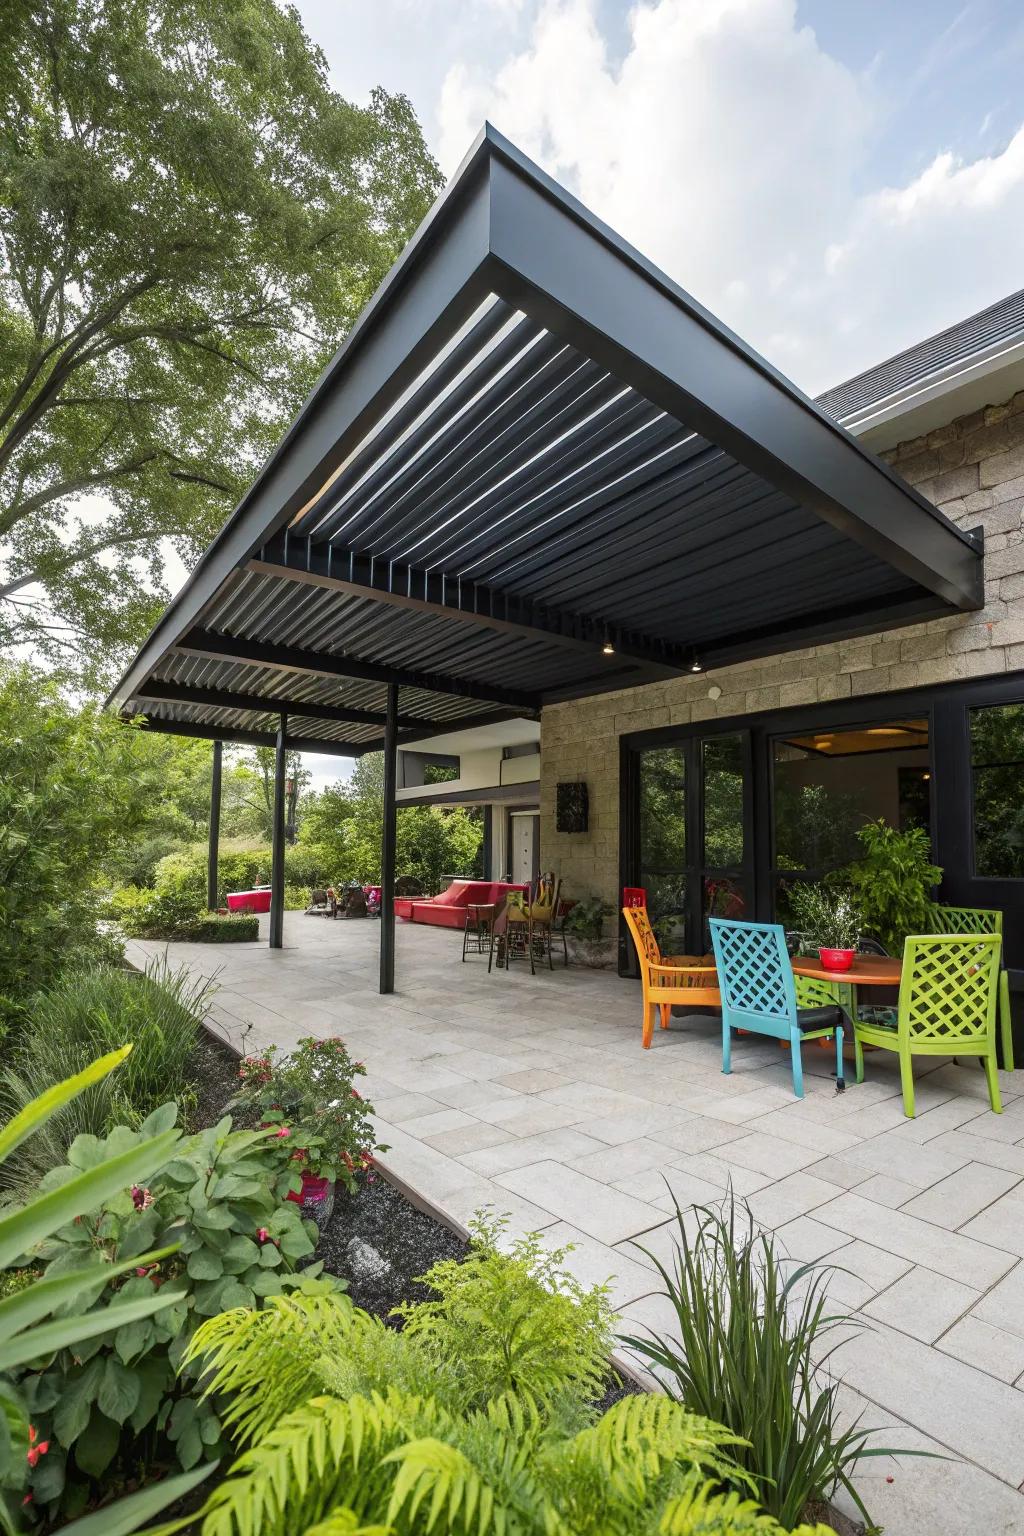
<point x="476" y="935"/>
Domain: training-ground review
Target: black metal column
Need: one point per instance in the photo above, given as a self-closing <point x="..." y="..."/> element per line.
<point x="277" y="860"/>
<point x="387" y="846"/>
<point x="214" y="841"/>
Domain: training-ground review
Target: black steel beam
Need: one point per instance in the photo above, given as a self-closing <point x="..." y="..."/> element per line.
<point x="567" y="270"/>
<point x="404" y="586"/>
<point x="240" y="738"/>
<point x="277" y="843"/>
<point x="387" y="847"/>
<point x="435" y="287"/>
<point x="291" y="658"/>
<point x="213" y="845"/>
<point x="223" y="698"/>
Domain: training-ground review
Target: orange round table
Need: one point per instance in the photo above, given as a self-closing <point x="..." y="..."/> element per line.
<point x="866" y="971"/>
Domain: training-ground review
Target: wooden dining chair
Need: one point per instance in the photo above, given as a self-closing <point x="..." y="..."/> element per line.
<point x="678" y="981"/>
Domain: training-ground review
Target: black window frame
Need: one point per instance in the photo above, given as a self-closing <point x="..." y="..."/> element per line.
<point x="945" y="706"/>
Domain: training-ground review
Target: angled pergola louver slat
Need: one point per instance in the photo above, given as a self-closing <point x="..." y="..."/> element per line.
<point x="535" y="469"/>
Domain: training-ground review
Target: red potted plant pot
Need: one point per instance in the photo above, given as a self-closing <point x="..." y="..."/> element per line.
<point x="312" y="1189"/>
<point x="836" y="959"/>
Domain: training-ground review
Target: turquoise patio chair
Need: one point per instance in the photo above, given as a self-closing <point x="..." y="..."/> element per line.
<point x="759" y="994"/>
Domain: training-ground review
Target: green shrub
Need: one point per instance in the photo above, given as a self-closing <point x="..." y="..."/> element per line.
<point x="64" y="1313"/>
<point x="213" y="1227"/>
<point x="156" y="914"/>
<point x="892" y="883"/>
<point x="86" y="1015"/>
<point x="747" y="1354"/>
<point x="515" y="1321"/>
<point x="236" y="928"/>
<point x="347" y="1423"/>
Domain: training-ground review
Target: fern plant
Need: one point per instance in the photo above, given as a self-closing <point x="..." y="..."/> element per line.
<point x="513" y="1321"/>
<point x="347" y="1425"/>
<point x="412" y="1466"/>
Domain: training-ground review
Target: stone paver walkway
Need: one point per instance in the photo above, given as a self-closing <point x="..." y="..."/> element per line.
<point x="533" y="1095"/>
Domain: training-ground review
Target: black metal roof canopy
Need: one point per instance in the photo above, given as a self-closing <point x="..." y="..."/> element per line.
<point x="536" y="469"/>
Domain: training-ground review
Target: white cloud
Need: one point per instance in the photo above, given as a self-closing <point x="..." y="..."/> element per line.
<point x="733" y="150"/>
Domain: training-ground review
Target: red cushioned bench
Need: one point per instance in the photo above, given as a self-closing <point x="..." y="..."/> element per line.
<point x="449" y="909"/>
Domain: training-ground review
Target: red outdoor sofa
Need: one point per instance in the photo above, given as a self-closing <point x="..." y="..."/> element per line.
<point x="449" y="909"/>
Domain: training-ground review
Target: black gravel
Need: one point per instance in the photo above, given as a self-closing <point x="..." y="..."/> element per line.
<point x="406" y="1238"/>
<point x="214" y="1074"/>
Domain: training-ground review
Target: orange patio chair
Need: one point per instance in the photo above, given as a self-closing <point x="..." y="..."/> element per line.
<point x="689" y="981"/>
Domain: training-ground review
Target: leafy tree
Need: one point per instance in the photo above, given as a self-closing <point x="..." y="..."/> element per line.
<point x="68" y="800"/>
<point x="431" y="842"/>
<point x="190" y="220"/>
<point x="260" y="796"/>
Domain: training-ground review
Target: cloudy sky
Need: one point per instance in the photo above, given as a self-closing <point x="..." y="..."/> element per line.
<point x="835" y="179"/>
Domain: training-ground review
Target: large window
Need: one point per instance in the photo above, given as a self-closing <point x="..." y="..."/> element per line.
<point x="997" y="773"/>
<point x="828" y="783"/>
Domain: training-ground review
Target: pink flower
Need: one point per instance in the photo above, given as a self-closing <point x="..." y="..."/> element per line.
<point x="262" y="1235"/>
<point x="284" y="1131"/>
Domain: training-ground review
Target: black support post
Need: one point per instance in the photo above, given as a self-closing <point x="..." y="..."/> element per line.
<point x="214" y="841"/>
<point x="277" y="860"/>
<point x="387" y="846"/>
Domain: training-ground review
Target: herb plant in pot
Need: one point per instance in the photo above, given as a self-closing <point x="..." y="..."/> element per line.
<point x="828" y="920"/>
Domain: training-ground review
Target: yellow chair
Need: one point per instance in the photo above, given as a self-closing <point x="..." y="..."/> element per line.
<point x="688" y="981"/>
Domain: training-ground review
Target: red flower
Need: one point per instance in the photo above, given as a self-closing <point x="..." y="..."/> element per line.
<point x="36" y="1449"/>
<point x="262" y="1235"/>
<point x="284" y="1131"/>
<point x="141" y="1198"/>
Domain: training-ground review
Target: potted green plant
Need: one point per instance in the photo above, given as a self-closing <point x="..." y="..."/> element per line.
<point x="585" y="926"/>
<point x="828" y="920"/>
<point x="310" y="1095"/>
<point x="892" y="881"/>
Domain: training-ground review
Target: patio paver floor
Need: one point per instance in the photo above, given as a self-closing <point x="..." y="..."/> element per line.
<point x="533" y="1094"/>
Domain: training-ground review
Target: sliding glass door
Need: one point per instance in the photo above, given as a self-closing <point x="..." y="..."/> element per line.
<point x="694" y="853"/>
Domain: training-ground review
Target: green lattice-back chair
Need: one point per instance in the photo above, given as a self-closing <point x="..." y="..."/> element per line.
<point x="943" y="919"/>
<point x="949" y="990"/>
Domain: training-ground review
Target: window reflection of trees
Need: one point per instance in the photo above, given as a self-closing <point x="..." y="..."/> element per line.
<point x="663" y="837"/>
<point x="997" y="759"/>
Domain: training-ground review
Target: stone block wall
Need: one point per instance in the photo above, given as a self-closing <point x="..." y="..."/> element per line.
<point x="973" y="470"/>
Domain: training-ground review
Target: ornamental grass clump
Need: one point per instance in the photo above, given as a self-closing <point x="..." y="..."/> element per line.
<point x="752" y="1344"/>
<point x="84" y="1016"/>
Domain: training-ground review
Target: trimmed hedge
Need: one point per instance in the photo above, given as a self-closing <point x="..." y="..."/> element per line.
<point x="239" y="928"/>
